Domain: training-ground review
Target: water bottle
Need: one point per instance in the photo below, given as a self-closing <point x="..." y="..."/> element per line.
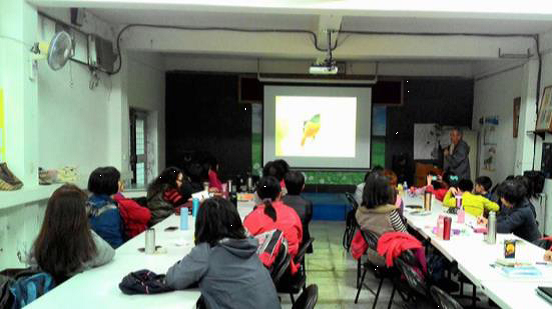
<point x="195" y="206"/>
<point x="461" y="215"/>
<point x="183" y="218"/>
<point x="427" y="201"/>
<point x="458" y="201"/>
<point x="491" y="229"/>
<point x="150" y="241"/>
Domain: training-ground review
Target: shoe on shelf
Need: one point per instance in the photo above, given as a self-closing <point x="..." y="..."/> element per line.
<point x="8" y="181"/>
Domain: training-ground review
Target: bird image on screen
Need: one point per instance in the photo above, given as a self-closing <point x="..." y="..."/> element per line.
<point x="311" y="128"/>
<point x="315" y="126"/>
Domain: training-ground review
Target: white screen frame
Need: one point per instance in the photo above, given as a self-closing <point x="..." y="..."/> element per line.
<point x="363" y="127"/>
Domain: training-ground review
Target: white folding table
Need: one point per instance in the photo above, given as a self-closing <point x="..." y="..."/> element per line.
<point x="99" y="287"/>
<point x="474" y="258"/>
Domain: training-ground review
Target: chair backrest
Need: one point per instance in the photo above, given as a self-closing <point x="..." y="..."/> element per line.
<point x="351" y="198"/>
<point x="371" y="239"/>
<point x="303" y="250"/>
<point x="416" y="280"/>
<point x="280" y="269"/>
<point x="308" y="298"/>
<point x="443" y="300"/>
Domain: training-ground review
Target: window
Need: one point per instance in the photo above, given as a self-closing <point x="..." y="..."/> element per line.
<point x="138" y="146"/>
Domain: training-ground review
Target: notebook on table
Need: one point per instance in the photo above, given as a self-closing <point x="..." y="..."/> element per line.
<point x="545" y="292"/>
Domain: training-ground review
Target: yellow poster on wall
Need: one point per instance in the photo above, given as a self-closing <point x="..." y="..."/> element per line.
<point x="2" y="129"/>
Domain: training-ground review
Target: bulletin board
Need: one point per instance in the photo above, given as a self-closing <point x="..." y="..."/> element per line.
<point x="2" y="129"/>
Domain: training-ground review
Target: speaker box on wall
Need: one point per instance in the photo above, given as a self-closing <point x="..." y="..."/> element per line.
<point x="250" y="90"/>
<point x="546" y="162"/>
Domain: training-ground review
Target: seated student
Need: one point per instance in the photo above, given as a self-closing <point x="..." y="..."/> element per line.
<point x="393" y="181"/>
<point x="516" y="216"/>
<point x="473" y="204"/>
<point x="164" y="195"/>
<point x="106" y="182"/>
<point x="378" y="212"/>
<point x="295" y="183"/>
<point x="273" y="214"/>
<point x="65" y="244"/>
<point x="494" y="191"/>
<point x="103" y="212"/>
<point x="483" y="185"/>
<point x="277" y="169"/>
<point x="214" y="181"/>
<point x="193" y="182"/>
<point x="360" y="187"/>
<point x="437" y="185"/>
<point x="224" y="262"/>
<point x="526" y="182"/>
<point x="536" y="179"/>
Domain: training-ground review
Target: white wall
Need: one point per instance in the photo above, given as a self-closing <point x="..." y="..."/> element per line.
<point x="494" y="95"/>
<point x="64" y="122"/>
<point x="73" y="119"/>
<point x="146" y="91"/>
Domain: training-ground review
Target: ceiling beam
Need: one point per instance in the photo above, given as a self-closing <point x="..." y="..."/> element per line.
<point x="301" y="46"/>
<point x="327" y="23"/>
<point x="491" y="9"/>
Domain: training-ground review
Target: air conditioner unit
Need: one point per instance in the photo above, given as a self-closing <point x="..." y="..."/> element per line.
<point x="100" y="53"/>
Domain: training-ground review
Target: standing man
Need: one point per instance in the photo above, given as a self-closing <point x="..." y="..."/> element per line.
<point x="456" y="156"/>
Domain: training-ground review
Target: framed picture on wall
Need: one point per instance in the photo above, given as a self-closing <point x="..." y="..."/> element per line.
<point x="544" y="121"/>
<point x="517" y="106"/>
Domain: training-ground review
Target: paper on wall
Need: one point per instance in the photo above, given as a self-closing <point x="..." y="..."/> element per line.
<point x="426" y="136"/>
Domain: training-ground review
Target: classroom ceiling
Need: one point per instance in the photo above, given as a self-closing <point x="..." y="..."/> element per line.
<point x="502" y="25"/>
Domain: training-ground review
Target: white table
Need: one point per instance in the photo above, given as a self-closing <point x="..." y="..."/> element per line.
<point x="99" y="287"/>
<point x="474" y="258"/>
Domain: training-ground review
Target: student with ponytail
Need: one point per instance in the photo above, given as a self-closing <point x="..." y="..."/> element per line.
<point x="273" y="214"/>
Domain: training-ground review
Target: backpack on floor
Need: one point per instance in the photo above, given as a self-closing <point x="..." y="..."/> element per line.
<point x="27" y="287"/>
<point x="6" y="297"/>
<point x="270" y="244"/>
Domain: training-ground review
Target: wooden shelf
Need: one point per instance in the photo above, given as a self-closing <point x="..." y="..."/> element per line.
<point x="27" y="195"/>
<point x="540" y="133"/>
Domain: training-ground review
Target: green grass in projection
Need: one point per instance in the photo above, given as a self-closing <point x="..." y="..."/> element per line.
<point x="378" y="151"/>
<point x="256" y="153"/>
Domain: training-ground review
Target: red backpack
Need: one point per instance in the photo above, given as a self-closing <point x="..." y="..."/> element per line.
<point x="271" y="244"/>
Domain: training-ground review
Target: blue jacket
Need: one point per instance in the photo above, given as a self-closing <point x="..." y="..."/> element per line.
<point x="105" y="219"/>
<point x="519" y="220"/>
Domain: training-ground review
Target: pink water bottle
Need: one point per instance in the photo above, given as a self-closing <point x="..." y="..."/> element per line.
<point x="440" y="226"/>
<point x="461" y="215"/>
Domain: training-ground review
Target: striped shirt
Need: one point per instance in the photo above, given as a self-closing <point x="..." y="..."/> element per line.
<point x="397" y="222"/>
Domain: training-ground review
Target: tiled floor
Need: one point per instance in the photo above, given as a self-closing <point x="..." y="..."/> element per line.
<point x="334" y="271"/>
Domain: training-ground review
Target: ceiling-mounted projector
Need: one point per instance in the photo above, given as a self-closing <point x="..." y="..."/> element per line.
<point x="326" y="68"/>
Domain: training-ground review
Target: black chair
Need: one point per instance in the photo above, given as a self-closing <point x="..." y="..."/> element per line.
<point x="351" y="198"/>
<point x="380" y="272"/>
<point x="415" y="280"/>
<point x="351" y="224"/>
<point x="308" y="298"/>
<point x="351" y="227"/>
<point x="280" y="269"/>
<point x="293" y="284"/>
<point x="443" y="300"/>
<point x="417" y="288"/>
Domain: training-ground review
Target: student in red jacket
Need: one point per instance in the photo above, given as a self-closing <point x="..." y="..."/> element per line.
<point x="274" y="214"/>
<point x="214" y="182"/>
<point x="106" y="181"/>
